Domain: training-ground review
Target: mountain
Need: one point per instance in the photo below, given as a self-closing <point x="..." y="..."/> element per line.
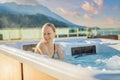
<point x="13" y="8"/>
<point x="27" y="21"/>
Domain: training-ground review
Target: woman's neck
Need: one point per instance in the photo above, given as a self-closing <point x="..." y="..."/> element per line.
<point x="49" y="44"/>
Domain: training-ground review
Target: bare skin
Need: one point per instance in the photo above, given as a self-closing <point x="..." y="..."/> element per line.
<point x="46" y="45"/>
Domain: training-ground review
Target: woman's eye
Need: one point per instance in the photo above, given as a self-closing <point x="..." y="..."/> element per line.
<point x="48" y="33"/>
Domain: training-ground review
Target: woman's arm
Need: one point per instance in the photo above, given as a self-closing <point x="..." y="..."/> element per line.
<point x="59" y="52"/>
<point x="41" y="49"/>
<point x="37" y="49"/>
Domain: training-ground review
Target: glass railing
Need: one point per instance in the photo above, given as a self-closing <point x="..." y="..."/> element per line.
<point x="35" y="33"/>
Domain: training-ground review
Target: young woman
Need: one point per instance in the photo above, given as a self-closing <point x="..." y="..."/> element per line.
<point x="46" y="46"/>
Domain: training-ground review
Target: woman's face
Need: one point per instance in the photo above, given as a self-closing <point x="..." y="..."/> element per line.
<point x="48" y="34"/>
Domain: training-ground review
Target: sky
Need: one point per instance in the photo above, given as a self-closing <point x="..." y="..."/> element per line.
<point x="91" y="13"/>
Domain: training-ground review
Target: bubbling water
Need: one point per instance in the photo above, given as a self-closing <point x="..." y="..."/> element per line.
<point x="99" y="62"/>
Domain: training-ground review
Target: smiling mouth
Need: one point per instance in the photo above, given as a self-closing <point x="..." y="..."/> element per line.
<point x="47" y="39"/>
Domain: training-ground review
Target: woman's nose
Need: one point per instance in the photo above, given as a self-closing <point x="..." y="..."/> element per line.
<point x="46" y="36"/>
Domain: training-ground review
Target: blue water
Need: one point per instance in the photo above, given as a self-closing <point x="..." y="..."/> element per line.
<point x="100" y="61"/>
<point x="107" y="59"/>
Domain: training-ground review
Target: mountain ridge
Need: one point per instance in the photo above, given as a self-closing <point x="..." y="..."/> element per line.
<point x="13" y="8"/>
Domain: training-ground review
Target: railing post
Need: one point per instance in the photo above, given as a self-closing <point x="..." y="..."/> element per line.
<point x="77" y="32"/>
<point x="103" y="32"/>
<point x="111" y="31"/>
<point x="9" y="35"/>
<point x="22" y="72"/>
<point x="34" y="31"/>
<point x="21" y="30"/>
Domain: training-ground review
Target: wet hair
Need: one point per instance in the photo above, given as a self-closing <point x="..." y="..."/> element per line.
<point x="49" y="25"/>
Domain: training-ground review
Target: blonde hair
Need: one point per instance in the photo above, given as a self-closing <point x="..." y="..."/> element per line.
<point x="49" y="25"/>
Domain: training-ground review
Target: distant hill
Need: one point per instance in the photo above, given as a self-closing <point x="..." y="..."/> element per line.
<point x="27" y="21"/>
<point x="14" y="15"/>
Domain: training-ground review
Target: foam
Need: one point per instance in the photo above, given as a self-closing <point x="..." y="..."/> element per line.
<point x="112" y="62"/>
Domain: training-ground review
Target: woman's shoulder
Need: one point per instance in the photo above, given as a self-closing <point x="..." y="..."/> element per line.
<point x="40" y="44"/>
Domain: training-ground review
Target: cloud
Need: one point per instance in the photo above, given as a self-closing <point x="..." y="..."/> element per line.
<point x="30" y="2"/>
<point x="61" y="10"/>
<point x="115" y="8"/>
<point x="67" y="12"/>
<point x="75" y="14"/>
<point x="99" y="3"/>
<point x="87" y="16"/>
<point x="111" y="20"/>
<point x="90" y="7"/>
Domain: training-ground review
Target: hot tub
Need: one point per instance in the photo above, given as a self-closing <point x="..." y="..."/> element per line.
<point x="101" y="64"/>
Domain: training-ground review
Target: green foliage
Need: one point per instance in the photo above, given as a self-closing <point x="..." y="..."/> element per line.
<point x="27" y="21"/>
